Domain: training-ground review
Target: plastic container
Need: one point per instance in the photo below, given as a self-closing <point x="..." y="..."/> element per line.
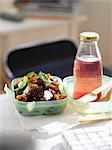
<point x="87" y="107"/>
<point x="41" y="107"/>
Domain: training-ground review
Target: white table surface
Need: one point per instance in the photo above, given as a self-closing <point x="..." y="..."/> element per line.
<point x="10" y="120"/>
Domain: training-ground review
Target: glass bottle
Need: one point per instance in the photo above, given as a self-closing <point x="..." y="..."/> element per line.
<point x="87" y="69"/>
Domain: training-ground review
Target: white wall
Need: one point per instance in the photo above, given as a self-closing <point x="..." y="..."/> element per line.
<point x="99" y="19"/>
<point x="6" y="5"/>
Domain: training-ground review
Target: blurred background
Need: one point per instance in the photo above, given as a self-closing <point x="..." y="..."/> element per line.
<point x="27" y="21"/>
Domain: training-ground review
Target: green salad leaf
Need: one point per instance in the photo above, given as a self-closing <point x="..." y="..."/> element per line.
<point x="9" y="92"/>
<point x="30" y="74"/>
<point x="24" y="83"/>
<point x="43" y="76"/>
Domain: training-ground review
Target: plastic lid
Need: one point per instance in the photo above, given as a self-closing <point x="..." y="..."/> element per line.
<point x="89" y="36"/>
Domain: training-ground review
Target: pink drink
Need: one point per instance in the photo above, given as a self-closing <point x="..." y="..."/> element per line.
<point x="88" y="74"/>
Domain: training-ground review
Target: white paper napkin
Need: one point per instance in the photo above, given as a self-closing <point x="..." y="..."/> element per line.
<point x="50" y="124"/>
<point x="8" y="115"/>
<point x="11" y="119"/>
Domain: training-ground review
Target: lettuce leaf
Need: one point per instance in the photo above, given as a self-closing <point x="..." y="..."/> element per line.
<point x="43" y="76"/>
<point x="9" y="92"/>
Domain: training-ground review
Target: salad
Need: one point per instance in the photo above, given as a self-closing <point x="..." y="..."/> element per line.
<point x="37" y="87"/>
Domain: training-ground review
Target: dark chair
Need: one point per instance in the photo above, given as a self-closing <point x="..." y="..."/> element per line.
<point x="107" y="71"/>
<point x="55" y="57"/>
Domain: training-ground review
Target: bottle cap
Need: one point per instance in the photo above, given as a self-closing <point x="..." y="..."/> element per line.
<point x="89" y="36"/>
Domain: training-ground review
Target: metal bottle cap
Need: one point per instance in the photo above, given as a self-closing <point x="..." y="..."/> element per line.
<point x="89" y="36"/>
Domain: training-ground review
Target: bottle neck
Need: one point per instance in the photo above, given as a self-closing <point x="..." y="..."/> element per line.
<point x="89" y="48"/>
